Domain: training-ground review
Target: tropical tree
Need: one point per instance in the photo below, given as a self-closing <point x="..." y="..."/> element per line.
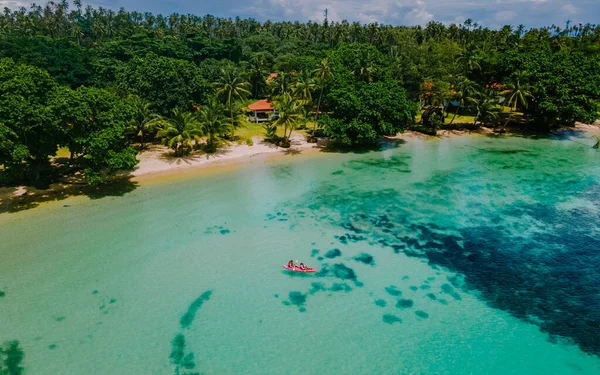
<point x="303" y="88"/>
<point x="469" y="61"/>
<point x="365" y="68"/>
<point x="180" y="131"/>
<point x="213" y="122"/>
<point x="464" y="91"/>
<point x="231" y="87"/>
<point x="258" y="73"/>
<point x="288" y="111"/>
<point x="487" y="107"/>
<point x="144" y="121"/>
<point x="516" y="94"/>
<point x="280" y="84"/>
<point x="166" y="82"/>
<point x="323" y="75"/>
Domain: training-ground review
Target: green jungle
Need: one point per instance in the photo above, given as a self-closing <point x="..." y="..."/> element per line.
<point x="83" y="89"/>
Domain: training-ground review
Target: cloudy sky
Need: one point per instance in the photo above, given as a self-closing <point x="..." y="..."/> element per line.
<point x="490" y="13"/>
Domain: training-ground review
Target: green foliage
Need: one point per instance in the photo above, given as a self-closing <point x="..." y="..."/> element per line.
<point x="231" y="87"/>
<point x="167" y="82"/>
<point x="365" y="111"/>
<point x="564" y="86"/>
<point x="364" y="61"/>
<point x="180" y="132"/>
<point x="288" y="110"/>
<point x="66" y="61"/>
<point x="213" y="122"/>
<point x="486" y="105"/>
<point x="258" y="71"/>
<point x="144" y="120"/>
<point x="30" y="128"/>
<point x="366" y="78"/>
<point x="271" y="132"/>
<point x="95" y="121"/>
<point x="351" y="133"/>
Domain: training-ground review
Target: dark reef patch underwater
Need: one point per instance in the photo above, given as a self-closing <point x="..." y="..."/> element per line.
<point x="531" y="257"/>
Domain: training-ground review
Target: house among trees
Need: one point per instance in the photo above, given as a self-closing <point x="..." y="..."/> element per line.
<point x="261" y="111"/>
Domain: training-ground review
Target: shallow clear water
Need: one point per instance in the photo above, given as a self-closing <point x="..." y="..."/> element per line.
<point x="467" y="255"/>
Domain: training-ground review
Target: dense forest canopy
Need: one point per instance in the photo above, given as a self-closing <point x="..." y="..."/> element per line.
<point x="92" y="79"/>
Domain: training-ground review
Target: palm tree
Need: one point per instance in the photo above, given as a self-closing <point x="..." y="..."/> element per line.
<point x="258" y="73"/>
<point x="280" y="84"/>
<point x="465" y="89"/>
<point x="516" y="94"/>
<point x="213" y="122"/>
<point x="365" y="68"/>
<point x="469" y="61"/>
<point x="303" y="88"/>
<point x="323" y="75"/>
<point x="231" y="87"/>
<point x="180" y="131"/>
<point x="76" y="32"/>
<point x="144" y="120"/>
<point x="287" y="108"/>
<point x="487" y="107"/>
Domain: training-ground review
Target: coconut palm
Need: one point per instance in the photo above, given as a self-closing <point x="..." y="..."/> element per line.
<point x="365" y="68"/>
<point x="280" y="84"/>
<point x="258" y="73"/>
<point x="231" y="87"/>
<point x="213" y="122"/>
<point x="323" y="74"/>
<point x="287" y="108"/>
<point x="516" y="94"/>
<point x="469" y="61"/>
<point x="180" y="131"/>
<point x="144" y="120"/>
<point x="487" y="107"/>
<point x="465" y="89"/>
<point x="303" y="88"/>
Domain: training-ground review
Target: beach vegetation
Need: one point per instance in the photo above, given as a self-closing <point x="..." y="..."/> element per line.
<point x="180" y="132"/>
<point x="90" y="82"/>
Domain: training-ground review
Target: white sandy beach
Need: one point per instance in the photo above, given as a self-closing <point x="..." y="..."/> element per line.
<point x="160" y="158"/>
<point x="157" y="162"/>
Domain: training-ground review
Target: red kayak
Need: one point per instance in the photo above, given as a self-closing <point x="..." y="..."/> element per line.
<point x="298" y="269"/>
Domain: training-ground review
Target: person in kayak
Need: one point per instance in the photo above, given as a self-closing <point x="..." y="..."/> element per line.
<point x="302" y="266"/>
<point x="291" y="264"/>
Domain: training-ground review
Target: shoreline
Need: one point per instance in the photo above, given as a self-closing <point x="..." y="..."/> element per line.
<point x="157" y="164"/>
<point x="159" y="161"/>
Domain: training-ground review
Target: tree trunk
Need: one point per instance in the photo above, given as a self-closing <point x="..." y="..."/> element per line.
<point x="507" y="121"/>
<point x="142" y="141"/>
<point x="232" y="126"/>
<point x="455" y="113"/>
<point x="317" y="114"/>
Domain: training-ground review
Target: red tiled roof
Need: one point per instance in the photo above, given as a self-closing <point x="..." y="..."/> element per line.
<point x="261" y="105"/>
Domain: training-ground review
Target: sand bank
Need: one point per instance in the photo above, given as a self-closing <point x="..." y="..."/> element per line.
<point x="157" y="163"/>
<point x="160" y="158"/>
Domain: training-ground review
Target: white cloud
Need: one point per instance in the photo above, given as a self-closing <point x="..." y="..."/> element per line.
<point x="490" y="13"/>
<point x="569" y="9"/>
<point x="419" y="15"/>
<point x="14" y="4"/>
<point x="383" y="11"/>
<point x="505" y="15"/>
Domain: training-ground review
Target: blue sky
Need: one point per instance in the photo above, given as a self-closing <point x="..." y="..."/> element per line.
<point x="490" y="13"/>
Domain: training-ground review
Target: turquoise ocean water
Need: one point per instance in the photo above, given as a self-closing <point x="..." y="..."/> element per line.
<point x="468" y="255"/>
